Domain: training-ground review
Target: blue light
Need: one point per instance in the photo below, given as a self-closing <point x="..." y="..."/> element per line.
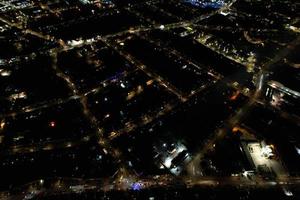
<point x="136" y="186"/>
<point x="206" y="3"/>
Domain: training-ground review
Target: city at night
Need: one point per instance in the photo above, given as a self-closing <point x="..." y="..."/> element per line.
<point x="149" y="99"/>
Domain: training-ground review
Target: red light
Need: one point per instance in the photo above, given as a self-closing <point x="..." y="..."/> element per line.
<point x="235" y="96"/>
<point x="52" y="124"/>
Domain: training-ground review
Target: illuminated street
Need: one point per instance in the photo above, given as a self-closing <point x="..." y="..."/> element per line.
<point x="149" y="99"/>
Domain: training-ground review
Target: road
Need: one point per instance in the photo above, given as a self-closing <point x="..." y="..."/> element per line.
<point x="63" y="186"/>
<point x="241" y="114"/>
<point x="58" y="186"/>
